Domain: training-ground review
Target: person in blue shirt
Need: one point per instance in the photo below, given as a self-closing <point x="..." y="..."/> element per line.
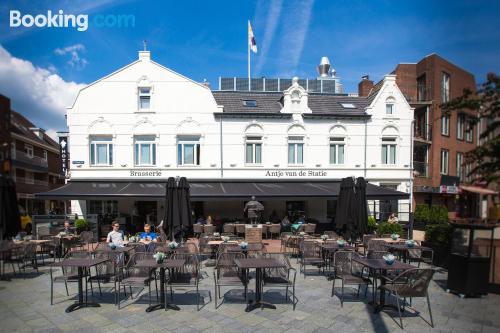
<point x="147" y="235"/>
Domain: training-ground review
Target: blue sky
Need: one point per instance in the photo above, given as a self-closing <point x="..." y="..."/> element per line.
<point x="42" y="68"/>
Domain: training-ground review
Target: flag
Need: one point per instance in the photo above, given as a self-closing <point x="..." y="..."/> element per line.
<point x="251" y="39"/>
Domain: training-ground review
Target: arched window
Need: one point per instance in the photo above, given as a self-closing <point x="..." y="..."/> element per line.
<point x="389" y="145"/>
<point x="389" y="106"/>
<point x="337" y="142"/>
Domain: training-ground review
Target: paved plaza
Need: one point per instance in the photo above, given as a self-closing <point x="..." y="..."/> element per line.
<point x="25" y="307"/>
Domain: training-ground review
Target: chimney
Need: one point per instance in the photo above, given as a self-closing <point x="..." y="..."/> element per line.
<point x="364" y="86"/>
<point x="324" y="67"/>
<point x="144" y="56"/>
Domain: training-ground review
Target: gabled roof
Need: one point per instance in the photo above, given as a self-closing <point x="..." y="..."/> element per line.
<point x="272" y="103"/>
<point x="374" y="91"/>
<point x="21" y="126"/>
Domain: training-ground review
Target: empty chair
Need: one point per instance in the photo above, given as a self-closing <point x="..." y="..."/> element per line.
<point x="86" y="240"/>
<point x="228" y="228"/>
<point x="283" y="277"/>
<point x="274" y="229"/>
<point x="197" y="230"/>
<point x="310" y="228"/>
<point x="418" y="256"/>
<point x="265" y="230"/>
<point x="240" y="229"/>
<point x="255" y="249"/>
<point x="409" y="284"/>
<point x="187" y="247"/>
<point x="209" y="229"/>
<point x="135" y="277"/>
<point x="187" y="277"/>
<point x="348" y="271"/>
<point x="107" y="271"/>
<point x="331" y="234"/>
<point x="310" y="254"/>
<point x="226" y="273"/>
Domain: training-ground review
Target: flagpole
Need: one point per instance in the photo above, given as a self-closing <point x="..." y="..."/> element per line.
<point x="248" y="46"/>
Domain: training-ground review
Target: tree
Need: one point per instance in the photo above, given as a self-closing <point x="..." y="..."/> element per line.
<point x="486" y="103"/>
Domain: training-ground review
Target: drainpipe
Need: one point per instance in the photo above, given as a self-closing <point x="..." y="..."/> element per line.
<point x="366" y="140"/>
<point x="221" y="151"/>
<point x="410" y="206"/>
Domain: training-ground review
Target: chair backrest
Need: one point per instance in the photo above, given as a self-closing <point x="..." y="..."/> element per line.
<point x="209" y="228"/>
<point x="265" y="228"/>
<point x="377" y="245"/>
<point x="132" y="270"/>
<point x="414" y="282"/>
<point x="197" y="228"/>
<point x="342" y="261"/>
<point x="367" y="238"/>
<point x="310" y="250"/>
<point x="73" y="271"/>
<point x="275" y="228"/>
<point x="188" y="248"/>
<point x="226" y="259"/>
<point x="109" y="267"/>
<point x="331" y="234"/>
<point x="240" y="228"/>
<point x="310" y="228"/>
<point x="87" y="237"/>
<point x="255" y="249"/>
<point x="372" y="254"/>
<point x="278" y="271"/>
<point x="228" y="228"/>
<point x="191" y="264"/>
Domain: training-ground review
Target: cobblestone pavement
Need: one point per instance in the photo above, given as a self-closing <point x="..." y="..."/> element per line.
<point x="25" y="307"/>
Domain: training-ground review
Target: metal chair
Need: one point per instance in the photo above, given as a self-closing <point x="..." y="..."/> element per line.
<point x="240" y="229"/>
<point x="420" y="256"/>
<point x="86" y="240"/>
<point x="310" y="254"/>
<point x="137" y="277"/>
<point x="331" y="234"/>
<point x="107" y="271"/>
<point x="197" y="230"/>
<point x="348" y="271"/>
<point x="409" y="284"/>
<point x="255" y="250"/>
<point x="274" y="229"/>
<point x="281" y="277"/>
<point x="226" y="273"/>
<point x="228" y="228"/>
<point x="187" y="277"/>
<point x="310" y="228"/>
<point x="209" y="229"/>
<point x="265" y="230"/>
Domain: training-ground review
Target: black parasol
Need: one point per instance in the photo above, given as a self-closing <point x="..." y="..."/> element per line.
<point x="10" y="219"/>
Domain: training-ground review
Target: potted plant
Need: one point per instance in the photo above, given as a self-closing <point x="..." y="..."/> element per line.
<point x="410" y="243"/>
<point x="173" y="245"/>
<point x="394" y="236"/>
<point x="372" y="224"/>
<point x="225" y="239"/>
<point x="324" y="238"/>
<point x="243" y="245"/>
<point x="341" y="242"/>
<point x="216" y="234"/>
<point x="159" y="257"/>
<point x="81" y="225"/>
<point x="389" y="259"/>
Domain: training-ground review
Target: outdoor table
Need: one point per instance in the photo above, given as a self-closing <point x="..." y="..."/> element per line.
<point x="258" y="264"/>
<point x="5" y="250"/>
<point x="390" y="240"/>
<point x="379" y="265"/>
<point x="219" y="242"/>
<point x="404" y="249"/>
<point x="81" y="263"/>
<point x="166" y="264"/>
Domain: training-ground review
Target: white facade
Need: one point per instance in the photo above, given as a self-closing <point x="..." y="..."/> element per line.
<point x="181" y="110"/>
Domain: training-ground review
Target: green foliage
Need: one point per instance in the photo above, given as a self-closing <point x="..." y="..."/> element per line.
<point x="389" y="228"/>
<point x="438" y="214"/>
<point x="439" y="235"/>
<point x="81" y="225"/>
<point x="421" y="213"/>
<point x="485" y="102"/>
<point x="372" y="224"/>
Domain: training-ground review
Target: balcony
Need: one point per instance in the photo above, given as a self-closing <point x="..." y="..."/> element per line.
<point x="420" y="169"/>
<point x="423" y="132"/>
<point x="23" y="158"/>
<point x="31" y="181"/>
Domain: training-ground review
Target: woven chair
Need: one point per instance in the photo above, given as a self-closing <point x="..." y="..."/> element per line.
<point x="22" y="257"/>
<point x="310" y="228"/>
<point x="274" y="229"/>
<point x="226" y="273"/>
<point x="86" y="240"/>
<point x="377" y="245"/>
<point x="283" y="277"/>
<point x="187" y="248"/>
<point x="240" y="229"/>
<point x="197" y="230"/>
<point x="187" y="277"/>
<point x="409" y="284"/>
<point x="107" y="271"/>
<point x="265" y="230"/>
<point x="69" y="274"/>
<point x="228" y="228"/>
<point x="53" y="247"/>
<point x="255" y="250"/>
<point x="420" y="256"/>
<point x="348" y="271"/>
<point x="209" y="229"/>
<point x="135" y="277"/>
<point x="310" y="254"/>
<point x="331" y="234"/>
<point x="366" y="240"/>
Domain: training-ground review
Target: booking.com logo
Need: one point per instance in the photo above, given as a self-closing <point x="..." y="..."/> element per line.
<point x="60" y="20"/>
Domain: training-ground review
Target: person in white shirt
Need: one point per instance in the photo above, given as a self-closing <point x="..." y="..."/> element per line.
<point x="115" y="236"/>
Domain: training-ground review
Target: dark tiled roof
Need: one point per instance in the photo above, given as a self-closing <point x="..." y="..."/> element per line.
<point x="271" y="102"/>
<point x="374" y="91"/>
<point x="21" y="126"/>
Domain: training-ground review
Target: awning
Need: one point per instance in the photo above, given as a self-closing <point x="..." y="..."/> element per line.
<point x="212" y="190"/>
<point x="478" y="190"/>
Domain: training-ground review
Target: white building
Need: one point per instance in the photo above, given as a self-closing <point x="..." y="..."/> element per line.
<point x="131" y="130"/>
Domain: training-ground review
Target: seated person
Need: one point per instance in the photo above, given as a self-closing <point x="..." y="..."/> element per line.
<point x="67" y="230"/>
<point x="147" y="235"/>
<point x="200" y="220"/>
<point x="115" y="236"/>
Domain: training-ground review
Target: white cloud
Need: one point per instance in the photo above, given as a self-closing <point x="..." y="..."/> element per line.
<point x="37" y="93"/>
<point x="52" y="133"/>
<point x="272" y="19"/>
<point x="76" y="60"/>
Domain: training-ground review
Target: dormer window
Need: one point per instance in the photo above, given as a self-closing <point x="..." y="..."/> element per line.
<point x="144" y="98"/>
<point x="296" y="96"/>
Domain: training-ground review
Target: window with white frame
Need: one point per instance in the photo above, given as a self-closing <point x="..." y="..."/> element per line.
<point x="468" y="169"/>
<point x="337" y="150"/>
<point x="295" y="150"/>
<point x="28" y="150"/>
<point x="45" y="155"/>
<point x="389" y="109"/>
<point x="253" y="150"/>
<point x="460" y="162"/>
<point x="144" y="150"/>
<point x="389" y="150"/>
<point x="445" y="125"/>
<point x="101" y="150"/>
<point x="444" y="162"/>
<point x="445" y="87"/>
<point x="188" y="150"/>
<point x="144" y="98"/>
<point x="460" y="127"/>
<point x="469" y="131"/>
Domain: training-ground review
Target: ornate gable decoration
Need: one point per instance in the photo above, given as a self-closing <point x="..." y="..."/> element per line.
<point x="295" y="99"/>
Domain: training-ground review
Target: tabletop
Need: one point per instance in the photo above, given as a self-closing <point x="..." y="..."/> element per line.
<point x="390" y="240"/>
<point x="245" y="263"/>
<point x="117" y="249"/>
<point x="79" y="262"/>
<point x="381" y="264"/>
<point x="335" y="246"/>
<point x="403" y="247"/>
<point x="167" y="263"/>
<point x="218" y="242"/>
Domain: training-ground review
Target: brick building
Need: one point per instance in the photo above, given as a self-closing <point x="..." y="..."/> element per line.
<point x="440" y="141"/>
<point x="32" y="159"/>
